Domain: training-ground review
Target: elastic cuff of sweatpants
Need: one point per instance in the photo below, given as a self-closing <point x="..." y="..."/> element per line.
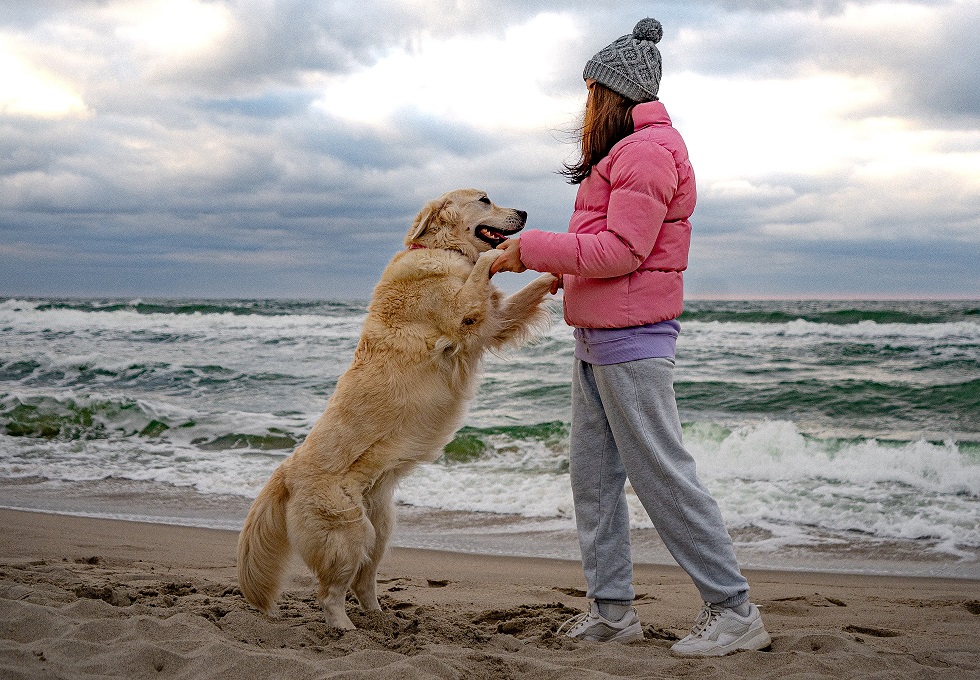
<point x="621" y="603"/>
<point x="734" y="600"/>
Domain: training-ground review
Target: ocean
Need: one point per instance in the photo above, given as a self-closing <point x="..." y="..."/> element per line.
<point x="835" y="435"/>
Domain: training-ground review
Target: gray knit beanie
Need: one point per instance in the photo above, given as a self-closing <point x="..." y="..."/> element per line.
<point x="631" y="64"/>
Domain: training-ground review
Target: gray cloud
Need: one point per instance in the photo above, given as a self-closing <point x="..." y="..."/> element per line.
<point x="930" y="68"/>
<point x="217" y="175"/>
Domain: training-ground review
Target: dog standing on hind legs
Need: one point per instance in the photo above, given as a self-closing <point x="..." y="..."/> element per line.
<point x="432" y="316"/>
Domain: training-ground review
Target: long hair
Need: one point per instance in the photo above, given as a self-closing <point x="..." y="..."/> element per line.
<point x="608" y="118"/>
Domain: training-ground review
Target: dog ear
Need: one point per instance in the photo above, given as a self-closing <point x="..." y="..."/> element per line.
<point x="436" y="212"/>
<point x="421" y="222"/>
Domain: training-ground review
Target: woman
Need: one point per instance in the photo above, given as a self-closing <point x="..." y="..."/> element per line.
<point x="621" y="266"/>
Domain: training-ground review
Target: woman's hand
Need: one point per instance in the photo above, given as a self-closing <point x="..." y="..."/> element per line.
<point x="510" y="261"/>
<point x="557" y="284"/>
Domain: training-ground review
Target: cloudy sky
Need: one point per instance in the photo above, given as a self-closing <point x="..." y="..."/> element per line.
<point x="264" y="148"/>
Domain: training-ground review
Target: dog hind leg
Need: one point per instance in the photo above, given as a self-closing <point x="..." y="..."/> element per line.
<point x="333" y="543"/>
<point x="381" y="513"/>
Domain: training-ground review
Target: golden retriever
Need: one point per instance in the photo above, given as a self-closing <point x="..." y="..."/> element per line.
<point x="433" y="314"/>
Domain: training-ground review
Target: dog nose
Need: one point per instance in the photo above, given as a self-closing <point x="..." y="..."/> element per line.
<point x="522" y="215"/>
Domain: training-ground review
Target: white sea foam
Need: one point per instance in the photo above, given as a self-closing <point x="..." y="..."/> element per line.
<point x="25" y="316"/>
<point x="778" y="451"/>
<point x="766" y="475"/>
<point x="956" y="330"/>
<point x="213" y="376"/>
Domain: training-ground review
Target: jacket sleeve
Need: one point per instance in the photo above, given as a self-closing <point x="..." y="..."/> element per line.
<point x="643" y="179"/>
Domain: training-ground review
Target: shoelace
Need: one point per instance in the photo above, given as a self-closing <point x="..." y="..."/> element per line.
<point x="573" y="622"/>
<point x="709" y="614"/>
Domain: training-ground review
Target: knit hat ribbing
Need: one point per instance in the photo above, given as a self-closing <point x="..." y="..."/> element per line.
<point x="631" y="64"/>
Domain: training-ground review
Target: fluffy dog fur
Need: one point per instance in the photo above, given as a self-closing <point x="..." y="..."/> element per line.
<point x="433" y="314"/>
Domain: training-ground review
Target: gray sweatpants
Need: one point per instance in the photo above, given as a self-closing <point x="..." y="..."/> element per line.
<point x="625" y="424"/>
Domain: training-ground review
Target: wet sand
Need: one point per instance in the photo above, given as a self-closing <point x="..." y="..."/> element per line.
<point x="94" y="598"/>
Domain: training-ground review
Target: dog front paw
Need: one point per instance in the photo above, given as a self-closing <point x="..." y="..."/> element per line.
<point x="485" y="260"/>
<point x="543" y="284"/>
<point x="490" y="255"/>
<point x="546" y="279"/>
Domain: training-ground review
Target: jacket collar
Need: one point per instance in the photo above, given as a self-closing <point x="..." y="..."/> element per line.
<point x="648" y="114"/>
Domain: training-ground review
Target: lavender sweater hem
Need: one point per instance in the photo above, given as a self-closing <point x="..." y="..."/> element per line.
<point x="605" y="346"/>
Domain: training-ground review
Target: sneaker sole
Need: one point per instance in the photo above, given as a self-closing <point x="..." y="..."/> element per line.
<point x="753" y="640"/>
<point x="628" y="635"/>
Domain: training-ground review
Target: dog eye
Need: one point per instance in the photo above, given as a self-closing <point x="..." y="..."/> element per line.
<point x="485" y="199"/>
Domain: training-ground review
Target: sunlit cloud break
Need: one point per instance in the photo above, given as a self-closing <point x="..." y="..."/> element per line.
<point x="487" y="81"/>
<point x="27" y="90"/>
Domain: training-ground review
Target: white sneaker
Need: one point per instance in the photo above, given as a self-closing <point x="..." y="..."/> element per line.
<point x="592" y="625"/>
<point x="719" y="631"/>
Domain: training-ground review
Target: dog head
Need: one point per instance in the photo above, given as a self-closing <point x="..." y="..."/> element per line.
<point x="464" y="220"/>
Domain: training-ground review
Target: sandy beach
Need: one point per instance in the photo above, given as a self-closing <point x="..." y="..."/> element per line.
<point x="92" y="598"/>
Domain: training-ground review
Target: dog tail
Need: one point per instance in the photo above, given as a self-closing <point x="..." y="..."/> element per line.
<point x="263" y="545"/>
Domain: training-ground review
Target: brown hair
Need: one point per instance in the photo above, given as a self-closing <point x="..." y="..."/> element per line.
<point x="608" y="118"/>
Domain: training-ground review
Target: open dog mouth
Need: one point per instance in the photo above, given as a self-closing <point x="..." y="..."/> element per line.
<point x="492" y="235"/>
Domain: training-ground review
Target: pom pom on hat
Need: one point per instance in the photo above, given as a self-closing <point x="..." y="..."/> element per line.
<point x="631" y="64"/>
<point x="648" y="29"/>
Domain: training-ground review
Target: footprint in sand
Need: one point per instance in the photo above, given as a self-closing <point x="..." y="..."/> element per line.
<point x="873" y="632"/>
<point x="817" y="643"/>
<point x="800" y="604"/>
<point x="572" y="592"/>
<point x="578" y="592"/>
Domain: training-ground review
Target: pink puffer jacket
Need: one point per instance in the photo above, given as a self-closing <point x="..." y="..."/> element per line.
<point x="629" y="236"/>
